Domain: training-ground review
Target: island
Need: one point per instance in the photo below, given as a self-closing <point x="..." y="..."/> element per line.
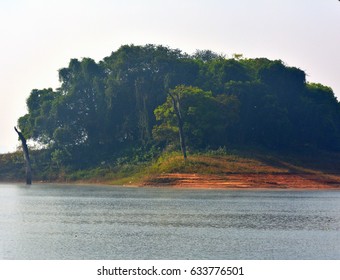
<point x="155" y="116"/>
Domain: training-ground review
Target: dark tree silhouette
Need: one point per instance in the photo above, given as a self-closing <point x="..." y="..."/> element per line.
<point x="27" y="157"/>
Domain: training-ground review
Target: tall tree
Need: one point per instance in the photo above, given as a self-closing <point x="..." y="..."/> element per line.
<point x="197" y="116"/>
<point x="27" y="157"/>
<point x="176" y="103"/>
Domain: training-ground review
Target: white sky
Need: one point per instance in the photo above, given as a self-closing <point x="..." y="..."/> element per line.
<point x="38" y="37"/>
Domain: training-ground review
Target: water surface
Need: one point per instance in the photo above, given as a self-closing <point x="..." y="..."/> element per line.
<point x="91" y="222"/>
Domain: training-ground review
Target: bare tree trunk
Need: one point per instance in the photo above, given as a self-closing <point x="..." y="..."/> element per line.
<point x="177" y="108"/>
<point x="27" y="157"/>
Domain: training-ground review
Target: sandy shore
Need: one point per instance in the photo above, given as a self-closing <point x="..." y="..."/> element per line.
<point x="246" y="181"/>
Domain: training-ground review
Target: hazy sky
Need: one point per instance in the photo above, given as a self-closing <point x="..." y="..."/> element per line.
<point x="38" y="37"/>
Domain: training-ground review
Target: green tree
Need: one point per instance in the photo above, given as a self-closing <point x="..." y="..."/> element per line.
<point x="40" y="121"/>
<point x="203" y="118"/>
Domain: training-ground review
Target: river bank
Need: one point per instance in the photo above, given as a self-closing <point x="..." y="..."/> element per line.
<point x="218" y="182"/>
<point x="246" y="181"/>
<point x="209" y="170"/>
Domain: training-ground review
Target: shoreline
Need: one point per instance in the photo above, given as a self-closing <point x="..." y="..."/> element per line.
<point x="244" y="181"/>
<point x="247" y="181"/>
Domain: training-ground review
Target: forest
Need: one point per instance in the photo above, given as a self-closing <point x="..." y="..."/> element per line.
<point x="137" y="100"/>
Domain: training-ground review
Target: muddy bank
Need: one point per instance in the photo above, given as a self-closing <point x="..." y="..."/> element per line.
<point x="246" y="181"/>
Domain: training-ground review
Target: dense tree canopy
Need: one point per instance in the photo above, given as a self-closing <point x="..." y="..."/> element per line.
<point x="123" y="102"/>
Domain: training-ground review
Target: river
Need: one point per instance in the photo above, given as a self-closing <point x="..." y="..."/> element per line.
<point x="97" y="222"/>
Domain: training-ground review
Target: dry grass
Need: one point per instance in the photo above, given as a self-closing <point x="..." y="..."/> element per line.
<point x="212" y="164"/>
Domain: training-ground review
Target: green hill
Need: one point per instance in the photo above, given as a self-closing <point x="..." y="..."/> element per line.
<point x="120" y="117"/>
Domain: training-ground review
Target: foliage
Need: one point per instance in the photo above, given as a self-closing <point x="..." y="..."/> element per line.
<point x="105" y="110"/>
<point x="206" y="117"/>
